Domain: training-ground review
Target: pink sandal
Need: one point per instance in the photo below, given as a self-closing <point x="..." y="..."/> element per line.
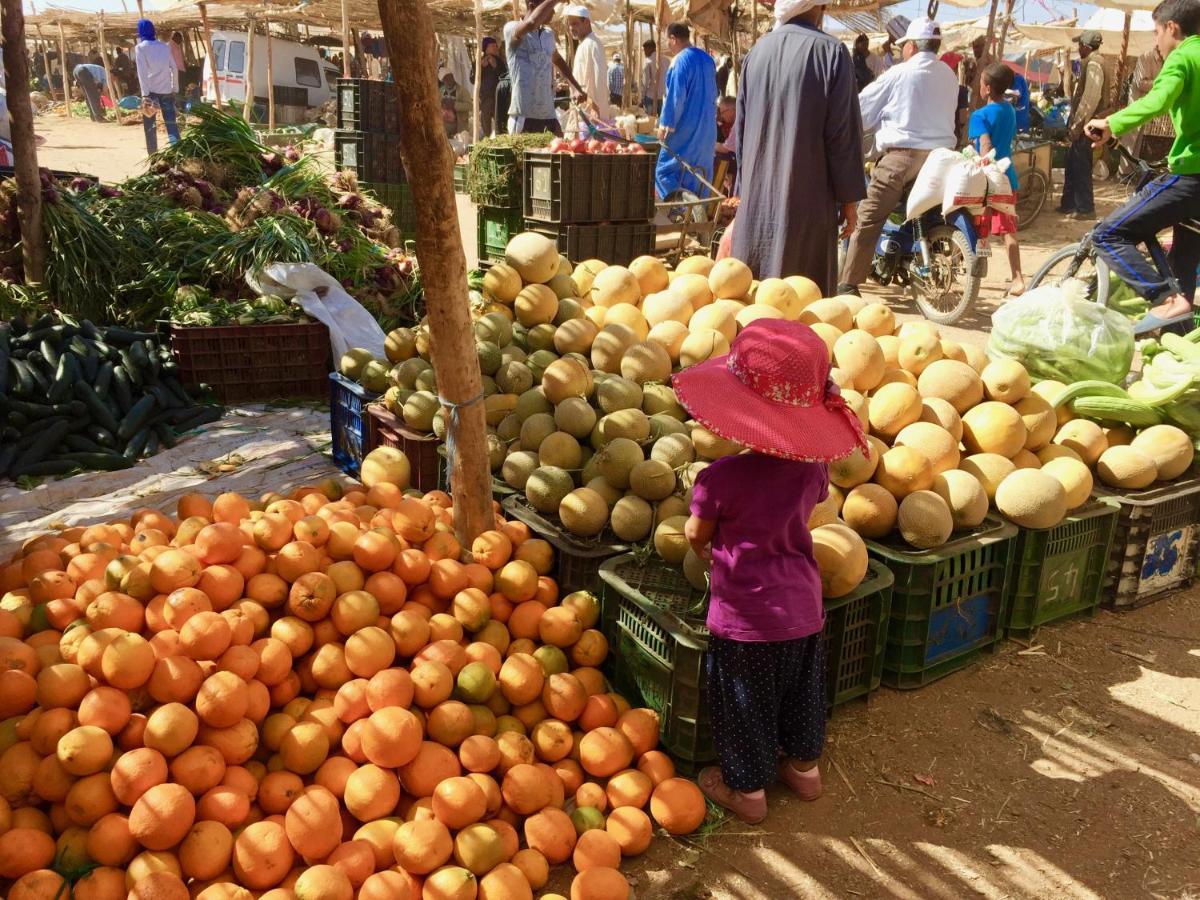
<point x="711" y="782"/>
<point x="806" y="785"/>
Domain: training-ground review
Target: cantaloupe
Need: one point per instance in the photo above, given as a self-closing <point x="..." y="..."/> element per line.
<point x="564" y="288"/>
<point x="1074" y="476"/>
<point x="1049" y="390"/>
<point x="1040" y="421"/>
<point x="669" y="540"/>
<point x="534" y="256"/>
<point x="937" y="444"/>
<point x="924" y="520"/>
<point x="1084" y="437"/>
<point x="502" y="282"/>
<point x="514" y="378"/>
<point x="575" y="416"/>
<point x="719" y="317"/>
<point x="918" y="351"/>
<point x="615" y="393"/>
<point x="661" y="398"/>
<point x="729" y="279"/>
<point x="964" y="497"/>
<point x="825" y="512"/>
<point x="646" y="362"/>
<point x="710" y="446"/>
<point x="669" y="335"/>
<point x="575" y="336"/>
<point x="990" y="469"/>
<point x="702" y="345"/>
<point x="562" y="450"/>
<point x="517" y="468"/>
<point x="1026" y="459"/>
<point x="876" y="319"/>
<point x="632" y="518"/>
<point x="585" y="273"/>
<point x="870" y="509"/>
<point x="855" y="468"/>
<point x="666" y="306"/>
<point x="695" y="265"/>
<point x="953" y="381"/>
<point x="1118" y="435"/>
<point x="857" y="354"/>
<point x="993" y="427"/>
<point x="903" y="470"/>
<point x="630" y="316"/>
<point x="694" y="289"/>
<point x="614" y="285"/>
<point x="546" y="488"/>
<point x="891" y="408"/>
<point x="583" y="512"/>
<point x="1126" y="467"/>
<point x="778" y="294"/>
<point x="1005" y="380"/>
<point x="624" y="423"/>
<point x="1169" y="447"/>
<point x="536" y="429"/>
<point x="565" y="378"/>
<point x="616" y="459"/>
<point x="652" y="479"/>
<point x="841" y="558"/>
<point x="827" y="333"/>
<point x="756" y="311"/>
<point x="1056" y="451"/>
<point x="536" y="304"/>
<point x="806" y="289"/>
<point x="651" y="274"/>
<point x="940" y="412"/>
<point x="610" y="345"/>
<point x="662" y="425"/>
<point x="830" y="311"/>
<point x="675" y="450"/>
<point x="1032" y="499"/>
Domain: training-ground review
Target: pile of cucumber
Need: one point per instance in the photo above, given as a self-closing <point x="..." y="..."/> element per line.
<point x="79" y="396"/>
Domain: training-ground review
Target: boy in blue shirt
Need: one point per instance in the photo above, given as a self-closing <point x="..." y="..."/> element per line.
<point x="993" y="127"/>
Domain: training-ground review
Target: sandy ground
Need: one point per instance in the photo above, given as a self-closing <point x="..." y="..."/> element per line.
<point x="1070" y="769"/>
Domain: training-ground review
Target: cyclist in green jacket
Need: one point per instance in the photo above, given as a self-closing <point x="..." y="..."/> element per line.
<point x="1170" y="199"/>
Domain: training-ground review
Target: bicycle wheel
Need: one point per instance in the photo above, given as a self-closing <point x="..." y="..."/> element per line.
<point x="1091" y="270"/>
<point x="1031" y="197"/>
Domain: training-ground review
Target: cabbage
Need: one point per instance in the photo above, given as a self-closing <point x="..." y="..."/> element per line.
<point x="1056" y="333"/>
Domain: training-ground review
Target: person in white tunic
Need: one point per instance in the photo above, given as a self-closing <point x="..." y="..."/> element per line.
<point x="590" y="68"/>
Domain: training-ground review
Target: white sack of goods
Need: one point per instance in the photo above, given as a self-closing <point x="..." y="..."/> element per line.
<point x="930" y="187"/>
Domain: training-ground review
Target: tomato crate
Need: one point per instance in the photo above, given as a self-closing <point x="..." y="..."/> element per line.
<point x="372" y="156"/>
<point x="1059" y="571"/>
<point x="661" y="641"/>
<point x="365" y="105"/>
<point x="397" y="198"/>
<point x="500" y="490"/>
<point x="244" y="363"/>
<point x="621" y="243"/>
<point x="384" y="429"/>
<point x="348" y="422"/>
<point x="569" y="188"/>
<point x="1155" y="546"/>
<point x="495" y="225"/>
<point x="948" y="603"/>
<point x="577" y="560"/>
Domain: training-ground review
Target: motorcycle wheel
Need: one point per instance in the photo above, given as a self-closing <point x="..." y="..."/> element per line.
<point x="951" y="263"/>
<point x="1093" y="272"/>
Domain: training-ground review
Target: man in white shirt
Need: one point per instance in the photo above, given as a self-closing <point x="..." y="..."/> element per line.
<point x="590" y="67"/>
<point x="158" y="79"/>
<point x="654" y="78"/>
<point x="910" y="107"/>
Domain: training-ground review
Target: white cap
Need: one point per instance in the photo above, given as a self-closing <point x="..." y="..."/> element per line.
<point x="579" y="11"/>
<point x="897" y="25"/>
<point x="922" y="30"/>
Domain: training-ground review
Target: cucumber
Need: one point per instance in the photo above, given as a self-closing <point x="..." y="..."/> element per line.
<point x="49" y="352"/>
<point x="137" y="444"/>
<point x="100" y="413"/>
<point x="136" y="418"/>
<point x="166" y="434"/>
<point x="203" y="415"/>
<point x="103" y="379"/>
<point x="47" y="467"/>
<point x="48" y="440"/>
<point x="67" y="372"/>
<point x="131" y="366"/>
<point x="23" y="383"/>
<point x="80" y="444"/>
<point x="122" y="388"/>
<point x="98" y="461"/>
<point x="101" y="436"/>
<point x="126" y="337"/>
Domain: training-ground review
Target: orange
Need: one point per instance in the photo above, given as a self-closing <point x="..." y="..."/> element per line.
<point x="374" y="551"/>
<point x="596" y="848"/>
<point x="371" y="793"/>
<point x="443" y="545"/>
<point x="391" y="687"/>
<point x="432" y="765"/>
<point x="640" y="726"/>
<point x="41" y="884"/>
<point x="492" y="549"/>
<point x="296" y="559"/>
<point x="678" y="806"/>
<point x="410" y="632"/>
<point x="206" y="851"/>
<point x="447" y="577"/>
<point x="391" y="737"/>
<point x="599" y="711"/>
<point x="390" y="885"/>
<point x="262" y="856"/>
<point x="533" y="866"/>
<point x="230" y="507"/>
<point x="459" y="802"/>
<point x="525" y="620"/>
<point x="631" y="828"/>
<point x="413" y="566"/>
<point x="182" y="604"/>
<point x="505" y="882"/>
<point x="223" y="584"/>
<point x="136" y="772"/>
<point x="314" y="823"/>
<point x="657" y="766"/>
<point x="600" y="883"/>
<point x="324" y="883"/>
<point x="113" y="609"/>
<point x="517" y="580"/>
<point x="450" y="723"/>
<point x="219" y="543"/>
<point x="354" y="610"/>
<point x="355" y="858"/>
<point x="537" y="553"/>
<point x="413" y="520"/>
<point x="85" y="750"/>
<point x="445" y="627"/>
<point x="552" y="834"/>
<point x="102" y="883"/>
<point x="223" y="804"/>
<point x="198" y="769"/>
<point x="175" y="679"/>
<point x="173" y="569"/>
<point x="525" y="789"/>
<point x="311" y="596"/>
<point x="23" y="850"/>
<point x="422" y="846"/>
<point x="604" y="752"/>
<point x="479" y="753"/>
<point x="564" y="697"/>
<point x="279" y="790"/>
<point x="127" y="662"/>
<point x="109" y="842"/>
<point x="629" y="787"/>
<point x="193" y="505"/>
<point x="559" y="627"/>
<point x="312" y="529"/>
<point x="162" y="816"/>
<point x="432" y="683"/>
<point x="552" y="740"/>
<point x="591" y="794"/>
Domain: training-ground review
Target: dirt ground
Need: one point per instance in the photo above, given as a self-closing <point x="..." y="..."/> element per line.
<point x="1066" y="769"/>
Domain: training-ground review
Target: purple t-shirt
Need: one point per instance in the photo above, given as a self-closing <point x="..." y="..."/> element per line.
<point x="765" y="581"/>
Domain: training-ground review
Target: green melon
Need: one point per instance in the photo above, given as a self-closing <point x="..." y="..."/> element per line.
<point x="583" y="512"/>
<point x="674" y="449"/>
<point x="695" y="570"/>
<point x="519" y="334"/>
<point x="616" y="460"/>
<point x="426" y="381"/>
<point x="575" y="416"/>
<point x="669" y="540"/>
<point x="563" y="286"/>
<point x="661" y="425"/>
<point x="531" y="402"/>
<point x="439" y="424"/>
<point x="567" y="378"/>
<point x="646" y="362"/>
<point x="488" y="355"/>
<point x="497" y="449"/>
<point x="401" y="344"/>
<point x="509" y="429"/>
<point x="353" y="361"/>
<point x="610" y="494"/>
<point x="652" y="479"/>
<point x="419" y="410"/>
<point x="546" y="487"/>
<point x="512" y="353"/>
<point x="490" y="387"/>
<point x="540" y="337"/>
<point x="610" y="345"/>
<point x="632" y="518"/>
<point x="517" y="468"/>
<point x="374" y="376"/>
<point x="615" y="393"/>
<point x="494" y="328"/>
<point x="539" y="361"/>
<point x="591" y="469"/>
<point x="561" y="450"/>
<point x="536" y="429"/>
<point x="672" y="506"/>
<point x="514" y="377"/>
<point x="660" y="399"/>
<point x="405" y="374"/>
<point x="625" y="423"/>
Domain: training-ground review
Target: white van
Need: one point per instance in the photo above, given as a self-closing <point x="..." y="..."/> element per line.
<point x="302" y="78"/>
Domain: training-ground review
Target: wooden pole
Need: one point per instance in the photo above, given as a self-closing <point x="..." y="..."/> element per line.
<point x="733" y="28"/>
<point x="141" y="10"/>
<point x="248" y="107"/>
<point x="627" y="86"/>
<point x="45" y="61"/>
<point x="476" y="125"/>
<point x="1123" y="64"/>
<point x="208" y="51"/>
<point x="270" y="78"/>
<point x="62" y="69"/>
<point x="108" y="79"/>
<point x="408" y="28"/>
<point x="1008" y="9"/>
<point x="991" y="28"/>
<point x="25" y="162"/>
<point x="345" y="38"/>
<point x="753" y="24"/>
<point x="660" y="13"/>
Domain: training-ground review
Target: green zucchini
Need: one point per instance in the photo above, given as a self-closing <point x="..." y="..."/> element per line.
<point x="68" y="371"/>
<point x="166" y="434"/>
<point x="80" y="444"/>
<point x="103" y="379"/>
<point x="98" y="460"/>
<point x="126" y="337"/>
<point x="137" y="417"/>
<point x="101" y="436"/>
<point x="49" y="352"/>
<point x="46" y="467"/>
<point x="137" y="444"/>
<point x="43" y="444"/>
<point x="134" y="370"/>
<point x="122" y="388"/>
<point x="100" y="413"/>
<point x="23" y="383"/>
<point x="202" y="416"/>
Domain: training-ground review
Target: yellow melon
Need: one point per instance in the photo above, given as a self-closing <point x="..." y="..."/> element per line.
<point x="651" y="274"/>
<point x="1126" y="467"/>
<point x="942" y="413"/>
<point x="990" y="469"/>
<point x="1169" y="447"/>
<point x="1032" y="499"/>
<point x="892" y="407"/>
<point x="666" y="306"/>
<point x="534" y="256"/>
<point x="536" y="304"/>
<point x="1085" y="438"/>
<point x="964" y="497"/>
<point x="937" y="444"/>
<point x="827" y="333"/>
<point x="756" y="311"/>
<point x="806" y="289"/>
<point x="778" y="294"/>
<point x="1074" y="476"/>
<point x="890" y="345"/>
<point x="669" y="335"/>
<point x="729" y="279"/>
<point x="841" y="558"/>
<point x="870" y="509"/>
<point x="695" y="265"/>
<point x="855" y="468"/>
<point x="924" y="520"/>
<point x="1049" y="391"/>
<point x="953" y="381"/>
<point x="614" y="285"/>
<point x="693" y="288"/>
<point x="903" y="470"/>
<point x="1005" y="380"/>
<point x="717" y="317"/>
<point x="830" y="311"/>
<point x="993" y="427"/>
<point x="702" y="345"/>
<point x="1040" y="421"/>
<point x="857" y="354"/>
<point x="876" y="319"/>
<point x="630" y="316"/>
<point x="502" y="282"/>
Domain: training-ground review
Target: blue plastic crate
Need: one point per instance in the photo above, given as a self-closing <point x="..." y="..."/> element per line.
<point x="348" y="421"/>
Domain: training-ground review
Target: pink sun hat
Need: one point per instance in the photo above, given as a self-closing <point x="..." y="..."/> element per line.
<point x="772" y="393"/>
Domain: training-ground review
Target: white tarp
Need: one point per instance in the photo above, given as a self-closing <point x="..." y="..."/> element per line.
<point x="1109" y="22"/>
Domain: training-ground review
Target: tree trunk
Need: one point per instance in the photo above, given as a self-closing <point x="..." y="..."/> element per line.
<point x="25" y="164"/>
<point x="630" y="64"/>
<point x="270" y="79"/>
<point x="476" y="123"/>
<point x="345" y="38"/>
<point x="408" y="27"/>
<point x="1004" y="26"/>
<point x="62" y="68"/>
<point x="248" y="106"/>
<point x="208" y="51"/>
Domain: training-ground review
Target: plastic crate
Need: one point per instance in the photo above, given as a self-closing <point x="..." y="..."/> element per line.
<point x="397" y="198"/>
<point x="567" y="188"/>
<point x="1059" y="571"/>
<point x="948" y="603"/>
<point x="1155" y="545"/>
<point x="372" y="156"/>
<point x="348" y="422"/>
<point x="495" y="225"/>
<point x="494" y="177"/>
<point x="365" y="105"/>
<point x="460" y="178"/>
<point x="242" y="363"/>
<point x="660" y="653"/>
<point x="385" y="430"/>
<point x="577" y="560"/>
<point x="617" y="245"/>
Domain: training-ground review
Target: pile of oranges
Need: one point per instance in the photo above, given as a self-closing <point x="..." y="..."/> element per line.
<point x="321" y="697"/>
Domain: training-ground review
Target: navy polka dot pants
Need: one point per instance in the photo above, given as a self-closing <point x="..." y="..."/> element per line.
<point x="765" y="697"/>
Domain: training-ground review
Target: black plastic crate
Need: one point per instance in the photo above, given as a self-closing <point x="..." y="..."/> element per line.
<point x="1155" y="546"/>
<point x="397" y="198"/>
<point x="460" y="178"/>
<point x="365" y="105"/>
<point x="948" y="603"/>
<point x="372" y="156"/>
<point x="495" y="225"/>
<point x="577" y="560"/>
<point x="242" y="363"/>
<point x="617" y="245"/>
<point x="1059" y="571"/>
<point x="348" y="422"/>
<point x="494" y="176"/>
<point x="568" y="188"/>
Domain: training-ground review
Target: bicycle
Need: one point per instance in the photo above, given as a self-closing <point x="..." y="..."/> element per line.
<point x="1081" y="260"/>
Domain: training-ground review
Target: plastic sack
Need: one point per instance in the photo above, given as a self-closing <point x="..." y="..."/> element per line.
<point x="1057" y="333"/>
<point x="966" y="186"/>
<point x="927" y="191"/>
<point x="322" y="297"/>
<point x="1000" y="196"/>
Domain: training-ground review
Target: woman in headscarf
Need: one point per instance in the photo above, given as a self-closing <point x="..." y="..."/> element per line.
<point x="158" y="78"/>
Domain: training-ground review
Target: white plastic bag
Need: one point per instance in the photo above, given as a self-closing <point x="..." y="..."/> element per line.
<point x="928" y="189"/>
<point x="322" y="297"/>
<point x="1000" y="195"/>
<point x="966" y="187"/>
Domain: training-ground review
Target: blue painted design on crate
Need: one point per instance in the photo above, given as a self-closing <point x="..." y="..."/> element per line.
<point x="1166" y="556"/>
<point x="347" y="421"/>
<point x="961" y="626"/>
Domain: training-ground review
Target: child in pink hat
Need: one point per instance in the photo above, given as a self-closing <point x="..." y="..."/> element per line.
<point x="749" y="515"/>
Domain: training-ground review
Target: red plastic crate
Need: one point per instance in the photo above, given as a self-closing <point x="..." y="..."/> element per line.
<point x="242" y="363"/>
<point x="385" y="430"/>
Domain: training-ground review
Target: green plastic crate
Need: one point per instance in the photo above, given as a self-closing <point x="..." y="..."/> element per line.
<point x="661" y="642"/>
<point x="397" y="198"/>
<point x="948" y="604"/>
<point x="577" y="560"/>
<point x="494" y="176"/>
<point x="1059" y="571"/>
<point x="460" y="178"/>
<point x="494" y="226"/>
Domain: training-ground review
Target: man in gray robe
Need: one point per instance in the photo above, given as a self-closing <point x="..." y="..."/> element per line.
<point x="799" y="147"/>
